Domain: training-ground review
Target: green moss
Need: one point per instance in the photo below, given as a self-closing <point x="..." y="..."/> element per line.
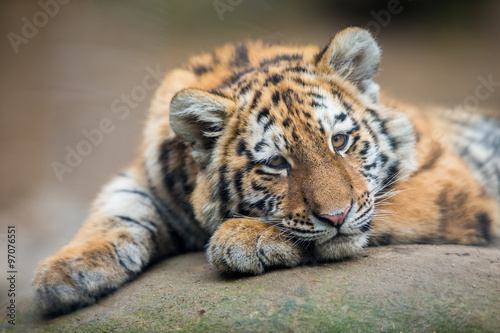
<point x="377" y="295"/>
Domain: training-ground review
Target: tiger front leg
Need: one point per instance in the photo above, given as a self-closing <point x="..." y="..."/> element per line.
<point x="250" y="247"/>
<point x="124" y="233"/>
<point x="79" y="274"/>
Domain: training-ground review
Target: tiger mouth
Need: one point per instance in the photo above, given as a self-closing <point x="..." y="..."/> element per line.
<point x="307" y="234"/>
<point x="358" y="227"/>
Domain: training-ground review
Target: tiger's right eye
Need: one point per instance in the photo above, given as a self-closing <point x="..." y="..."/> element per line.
<point x="277" y="162"/>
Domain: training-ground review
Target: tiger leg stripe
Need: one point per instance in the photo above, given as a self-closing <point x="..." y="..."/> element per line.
<point x="84" y="274"/>
<point x="128" y="232"/>
<point x="164" y="216"/>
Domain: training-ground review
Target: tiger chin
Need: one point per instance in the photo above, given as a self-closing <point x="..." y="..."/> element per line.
<point x="271" y="155"/>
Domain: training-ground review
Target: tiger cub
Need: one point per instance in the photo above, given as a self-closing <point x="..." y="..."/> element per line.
<point x="271" y="155"/>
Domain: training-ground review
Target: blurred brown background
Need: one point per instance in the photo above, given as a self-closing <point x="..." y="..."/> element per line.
<point x="62" y="77"/>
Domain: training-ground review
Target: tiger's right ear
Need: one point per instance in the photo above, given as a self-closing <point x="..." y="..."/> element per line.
<point x="199" y="116"/>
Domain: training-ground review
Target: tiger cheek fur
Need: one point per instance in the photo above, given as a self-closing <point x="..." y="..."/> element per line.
<point x="273" y="156"/>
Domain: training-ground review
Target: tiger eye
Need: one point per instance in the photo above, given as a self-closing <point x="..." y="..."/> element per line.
<point x="277" y="161"/>
<point x="339" y="141"/>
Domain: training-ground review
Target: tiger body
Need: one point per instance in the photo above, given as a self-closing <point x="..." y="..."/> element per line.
<point x="274" y="156"/>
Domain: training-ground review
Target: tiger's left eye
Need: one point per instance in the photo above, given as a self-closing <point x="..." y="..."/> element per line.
<point x="277" y="162"/>
<point x="339" y="141"/>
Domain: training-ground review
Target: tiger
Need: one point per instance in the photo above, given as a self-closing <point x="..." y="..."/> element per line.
<point x="266" y="156"/>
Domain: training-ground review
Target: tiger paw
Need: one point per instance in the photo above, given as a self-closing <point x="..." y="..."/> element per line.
<point x="251" y="247"/>
<point x="77" y="277"/>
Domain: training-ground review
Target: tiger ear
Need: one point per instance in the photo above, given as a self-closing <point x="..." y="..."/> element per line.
<point x="354" y="54"/>
<point x="198" y="117"/>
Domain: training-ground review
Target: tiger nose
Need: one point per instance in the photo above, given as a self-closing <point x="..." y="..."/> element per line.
<point x="336" y="220"/>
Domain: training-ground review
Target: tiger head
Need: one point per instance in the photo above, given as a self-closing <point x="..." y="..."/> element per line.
<point x="299" y="141"/>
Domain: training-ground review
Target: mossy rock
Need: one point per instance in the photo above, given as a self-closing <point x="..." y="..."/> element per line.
<point x="386" y="289"/>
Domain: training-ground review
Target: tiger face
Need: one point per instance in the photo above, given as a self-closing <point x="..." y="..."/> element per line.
<point x="298" y="142"/>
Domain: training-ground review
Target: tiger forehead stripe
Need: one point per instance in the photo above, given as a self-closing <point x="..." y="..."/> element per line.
<point x="276" y="98"/>
<point x="264" y="114"/>
<point x="241" y="56"/>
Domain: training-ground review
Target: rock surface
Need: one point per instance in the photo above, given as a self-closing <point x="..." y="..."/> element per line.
<point x="395" y="288"/>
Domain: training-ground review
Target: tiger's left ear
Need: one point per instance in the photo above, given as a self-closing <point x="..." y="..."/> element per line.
<point x="354" y="54"/>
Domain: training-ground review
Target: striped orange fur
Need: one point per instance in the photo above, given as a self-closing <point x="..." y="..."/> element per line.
<point x="274" y="156"/>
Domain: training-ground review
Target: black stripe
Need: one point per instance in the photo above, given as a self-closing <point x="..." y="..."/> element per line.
<point x="365" y="227"/>
<point x="340" y="117"/>
<point x="259" y="145"/>
<point x="151" y="187"/>
<point x="435" y="154"/>
<point x="256" y="99"/>
<point x="384" y="159"/>
<point x="269" y="124"/>
<point x="383" y="128"/>
<point x="315" y="104"/>
<point x="121" y="262"/>
<point x="182" y="231"/>
<point x="390" y="177"/>
<point x="299" y="81"/>
<point x="257" y="187"/>
<point x="147" y="196"/>
<point x="385" y="239"/>
<point x="261" y="252"/>
<point x="166" y="217"/>
<point x="238" y="182"/>
<point x="200" y="69"/>
<point x="279" y="58"/>
<point x="262" y="204"/>
<point x="241" y="56"/>
<point x="362" y="216"/>
<point x="263" y="114"/>
<point x="178" y="242"/>
<point x="287" y="122"/>
<point x="497" y="174"/>
<point x="241" y="147"/>
<point x="298" y="69"/>
<point x="262" y="172"/>
<point x="222" y="184"/>
<point x="218" y="93"/>
<point x="355" y="128"/>
<point x="273" y="79"/>
<point x="354" y="143"/>
<point x="365" y="149"/>
<point x="321" y="128"/>
<point x="370" y="166"/>
<point x="484" y="225"/>
<point x="131" y="220"/>
<point x="276" y="98"/>
<point x="347" y="107"/>
<point x="370" y="130"/>
<point x="318" y="56"/>
<point x="306" y="231"/>
<point x="239" y="75"/>
<point x="244" y="87"/>
<point x="223" y="191"/>
<point x="243" y="209"/>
